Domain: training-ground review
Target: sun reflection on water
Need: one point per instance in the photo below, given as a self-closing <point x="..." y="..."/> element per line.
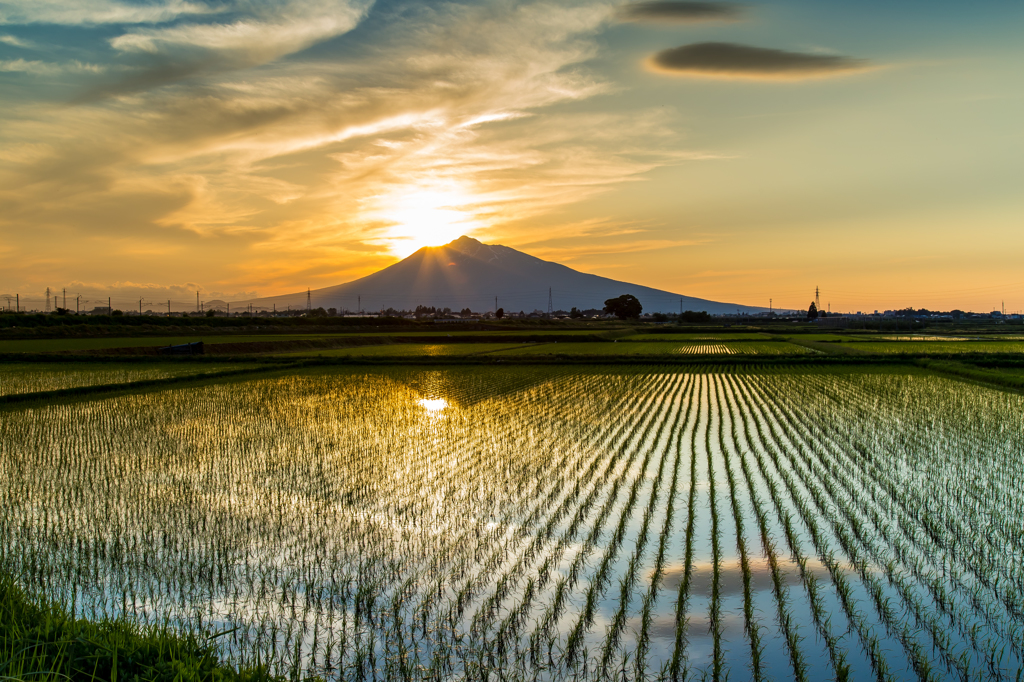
<point x="433" y="405"/>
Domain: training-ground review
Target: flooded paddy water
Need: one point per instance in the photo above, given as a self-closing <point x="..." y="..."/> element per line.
<point x="541" y="523"/>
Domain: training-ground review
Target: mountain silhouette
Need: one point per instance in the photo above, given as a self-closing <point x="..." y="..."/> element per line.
<point x="469" y="274"/>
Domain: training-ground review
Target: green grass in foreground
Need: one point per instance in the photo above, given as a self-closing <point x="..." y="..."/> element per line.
<point x="40" y="641"/>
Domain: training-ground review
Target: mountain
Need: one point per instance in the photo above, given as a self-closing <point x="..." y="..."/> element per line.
<point x="469" y="274"/>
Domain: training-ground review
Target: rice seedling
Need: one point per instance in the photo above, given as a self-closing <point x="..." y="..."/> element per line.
<point x="538" y="523"/>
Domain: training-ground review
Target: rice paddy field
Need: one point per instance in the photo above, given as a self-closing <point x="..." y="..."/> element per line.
<point x="426" y="350"/>
<point x="32" y="378"/>
<point x="626" y="348"/>
<point x="938" y="347"/>
<point x="541" y="523"/>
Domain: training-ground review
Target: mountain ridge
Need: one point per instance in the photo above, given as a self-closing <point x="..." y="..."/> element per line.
<point x="466" y="273"/>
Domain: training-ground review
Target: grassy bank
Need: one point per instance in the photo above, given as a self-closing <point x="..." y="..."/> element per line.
<point x="43" y="642"/>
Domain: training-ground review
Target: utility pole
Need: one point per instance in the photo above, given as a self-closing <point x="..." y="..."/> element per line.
<point x="140" y="307"/>
<point x="65" y="306"/>
<point x="168" y="307"/>
<point x="197" y="301"/>
<point x="78" y="304"/>
<point x="110" y="310"/>
<point x="17" y="303"/>
<point x="309" y="300"/>
<point x="495" y="304"/>
<point x="550" y="310"/>
<point x="770" y="307"/>
<point x="817" y="298"/>
<point x="680" y="306"/>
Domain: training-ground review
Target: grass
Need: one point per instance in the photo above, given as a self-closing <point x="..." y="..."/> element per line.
<point x="42" y="641"/>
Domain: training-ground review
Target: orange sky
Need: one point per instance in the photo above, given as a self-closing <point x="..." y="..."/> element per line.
<point x="738" y="153"/>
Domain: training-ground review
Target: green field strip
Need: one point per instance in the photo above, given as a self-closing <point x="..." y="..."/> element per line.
<point x="405" y="350"/>
<point x="37" y="377"/>
<point x="86" y="391"/>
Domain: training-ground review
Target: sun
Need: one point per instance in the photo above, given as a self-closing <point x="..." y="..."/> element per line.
<point x="426" y="216"/>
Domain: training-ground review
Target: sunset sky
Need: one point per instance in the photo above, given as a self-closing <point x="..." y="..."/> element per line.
<point x="735" y="152"/>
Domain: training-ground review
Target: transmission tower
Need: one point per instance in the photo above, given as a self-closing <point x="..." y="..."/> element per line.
<point x="550" y="308"/>
<point x="817" y="298"/>
<point x="309" y="300"/>
<point x="47" y="299"/>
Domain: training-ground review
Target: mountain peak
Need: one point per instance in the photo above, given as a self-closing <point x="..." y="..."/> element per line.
<point x="466" y="245"/>
<point x="464" y="240"/>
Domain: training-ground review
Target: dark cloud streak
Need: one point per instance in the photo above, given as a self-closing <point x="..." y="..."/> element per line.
<point x="680" y="12"/>
<point x="729" y="60"/>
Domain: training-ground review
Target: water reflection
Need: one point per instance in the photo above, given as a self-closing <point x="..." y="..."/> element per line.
<point x="433" y="405"/>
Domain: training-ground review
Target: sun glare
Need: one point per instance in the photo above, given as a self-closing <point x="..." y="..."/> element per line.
<point x="433" y="405"/>
<point x="426" y="217"/>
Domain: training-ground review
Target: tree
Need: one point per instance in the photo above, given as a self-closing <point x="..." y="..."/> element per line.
<point x="575" y="313"/>
<point x="624" y="307"/>
<point x="694" y="317"/>
<point x="499" y="313"/>
<point x="812" y="312"/>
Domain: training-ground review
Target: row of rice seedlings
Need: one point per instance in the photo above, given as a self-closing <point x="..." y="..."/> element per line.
<point x="751" y="626"/>
<point x="26" y="378"/>
<point x="822" y="621"/>
<point x="916" y="656"/>
<point x="928" y="615"/>
<point x="509" y="627"/>
<point x="715" y="606"/>
<point x="704" y="349"/>
<point x="626" y="584"/>
<point x="563" y="588"/>
<point x="883" y="611"/>
<point x="599" y="580"/>
<point x="784" y="616"/>
<point x="567" y="487"/>
<point x="959" y="541"/>
<point x="818" y="610"/>
<point x="913" y="556"/>
<point x="678" y="667"/>
<point x="650" y="598"/>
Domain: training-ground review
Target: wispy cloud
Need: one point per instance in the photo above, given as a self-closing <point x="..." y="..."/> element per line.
<point x="730" y="60"/>
<point x="39" y="68"/>
<point x="272" y="31"/>
<point x="15" y="41"/>
<point x="93" y="12"/>
<point x="320" y="167"/>
<point x="680" y="12"/>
